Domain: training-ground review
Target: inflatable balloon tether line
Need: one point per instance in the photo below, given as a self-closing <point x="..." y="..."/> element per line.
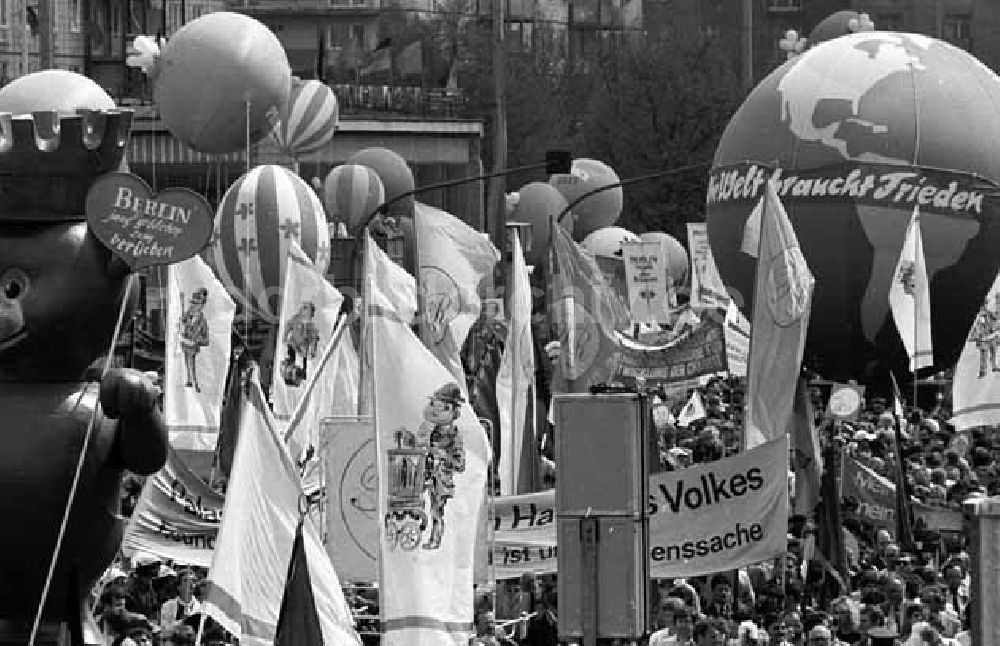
<point x="79" y="463"/>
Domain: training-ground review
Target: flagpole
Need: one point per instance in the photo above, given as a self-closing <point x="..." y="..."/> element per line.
<point x="513" y="235"/>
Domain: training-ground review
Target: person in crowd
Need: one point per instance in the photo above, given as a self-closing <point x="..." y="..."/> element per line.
<point x="710" y="632"/>
<point x="543" y="628"/>
<point x="141" y="595"/>
<point x="489" y="633"/>
<point x="182" y="604"/>
<point x="664" y="621"/>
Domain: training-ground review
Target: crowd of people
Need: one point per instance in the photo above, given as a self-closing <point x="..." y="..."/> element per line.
<point x="911" y="590"/>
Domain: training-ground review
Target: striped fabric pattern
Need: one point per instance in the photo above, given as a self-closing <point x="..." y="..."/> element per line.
<point x="309" y="118"/>
<point x="351" y="193"/>
<point x="261" y="214"/>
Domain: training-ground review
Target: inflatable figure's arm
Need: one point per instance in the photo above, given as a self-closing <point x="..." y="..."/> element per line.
<point x="131" y="398"/>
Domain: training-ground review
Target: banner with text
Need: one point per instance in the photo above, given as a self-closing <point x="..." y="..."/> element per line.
<point x="699" y="352"/>
<point x="871" y="498"/>
<point x="177" y="516"/>
<point x="721" y="515"/>
<point x="737" y="329"/>
<point x="524" y="534"/>
<point x="646" y="272"/>
<point x="707" y="288"/>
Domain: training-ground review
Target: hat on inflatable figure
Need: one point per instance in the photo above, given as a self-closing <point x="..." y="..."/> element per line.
<point x="677" y="257"/>
<point x="851" y="162"/>
<point x="60" y="294"/>
<point x="213" y="75"/>
<point x="602" y="209"/>
<point x="608" y="241"/>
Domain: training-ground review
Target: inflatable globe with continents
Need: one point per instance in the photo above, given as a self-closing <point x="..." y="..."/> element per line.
<point x="857" y="132"/>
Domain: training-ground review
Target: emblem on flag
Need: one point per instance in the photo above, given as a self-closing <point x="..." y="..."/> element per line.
<point x="908" y="277"/>
<point x="422" y="463"/>
<point x="986" y="335"/>
<point x="789" y="284"/>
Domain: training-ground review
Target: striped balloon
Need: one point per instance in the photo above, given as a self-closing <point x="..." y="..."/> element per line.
<point x="308" y="119"/>
<point x="351" y="193"/>
<point x="260" y="215"/>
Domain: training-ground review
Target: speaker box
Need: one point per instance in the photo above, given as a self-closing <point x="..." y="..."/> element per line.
<point x="982" y="522"/>
<point x="602" y="449"/>
<point x="621" y="581"/>
<point x="602" y="452"/>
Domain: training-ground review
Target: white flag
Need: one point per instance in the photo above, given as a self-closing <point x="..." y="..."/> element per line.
<point x="751" y="230"/>
<point x="400" y="288"/>
<point x="199" y="334"/>
<point x="252" y="555"/>
<point x="693" y="411"/>
<point x="516" y="376"/>
<point x="910" y="298"/>
<point x="781" y="305"/>
<point x="976" y="388"/>
<point x="310" y="307"/>
<point x="737" y="335"/>
<point x="432" y="454"/>
<point x="454" y="258"/>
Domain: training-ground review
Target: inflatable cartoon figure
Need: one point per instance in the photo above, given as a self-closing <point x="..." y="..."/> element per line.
<point x="60" y="294"/>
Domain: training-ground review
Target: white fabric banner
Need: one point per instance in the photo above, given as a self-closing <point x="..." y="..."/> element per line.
<point x="516" y="377"/>
<point x="310" y="306"/>
<point x="721" y="515"/>
<point x="198" y="338"/>
<point x="976" y="388"/>
<point x="454" y="258"/>
<point x="646" y="276"/>
<point x="432" y="456"/>
<point x="524" y="534"/>
<point x="707" y="288"/>
<point x="737" y="333"/>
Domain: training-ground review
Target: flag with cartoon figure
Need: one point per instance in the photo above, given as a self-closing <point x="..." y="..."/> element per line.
<point x="432" y="454"/>
<point x="310" y="307"/>
<point x="198" y="337"/>
<point x="976" y="389"/>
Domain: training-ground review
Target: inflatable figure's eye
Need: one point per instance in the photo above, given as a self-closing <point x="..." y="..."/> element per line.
<point x="13" y="284"/>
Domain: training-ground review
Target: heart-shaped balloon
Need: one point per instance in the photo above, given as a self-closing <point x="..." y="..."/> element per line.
<point x="144" y="229"/>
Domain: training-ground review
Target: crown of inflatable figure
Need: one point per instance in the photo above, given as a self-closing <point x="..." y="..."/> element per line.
<point x="48" y="161"/>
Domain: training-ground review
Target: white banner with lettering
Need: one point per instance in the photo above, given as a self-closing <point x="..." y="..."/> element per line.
<point x="707" y="288"/>
<point x="721" y="515"/>
<point x="646" y="276"/>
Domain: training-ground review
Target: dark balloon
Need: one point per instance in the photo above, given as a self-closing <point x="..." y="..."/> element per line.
<point x="860" y="130"/>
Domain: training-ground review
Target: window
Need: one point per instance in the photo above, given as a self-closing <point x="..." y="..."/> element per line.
<point x="519" y="35"/>
<point x="890" y="22"/>
<point x="74" y="16"/>
<point x="957" y="29"/>
<point x="4" y="13"/>
<point x="709" y="31"/>
<point x="358" y="35"/>
<point x="784" y="5"/>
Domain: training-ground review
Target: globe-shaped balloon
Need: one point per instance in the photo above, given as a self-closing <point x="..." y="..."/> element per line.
<point x="53" y="90"/>
<point x="351" y="193"/>
<point x="608" y="241"/>
<point x="539" y="203"/>
<point x="309" y="118"/>
<point x="677" y="257"/>
<point x="213" y="74"/>
<point x="858" y="132"/>
<point x="261" y="214"/>
<point x="595" y="211"/>
<point x="395" y="173"/>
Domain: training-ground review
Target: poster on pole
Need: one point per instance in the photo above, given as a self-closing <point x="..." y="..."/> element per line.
<point x="707" y="289"/>
<point x="646" y="280"/>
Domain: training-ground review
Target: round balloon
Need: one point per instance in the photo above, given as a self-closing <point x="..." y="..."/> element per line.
<point x="851" y="162"/>
<point x="351" y="193"/>
<point x="538" y="204"/>
<point x="309" y="119"/>
<point x="677" y="257"/>
<point x="210" y="71"/>
<point x="597" y="210"/>
<point x="608" y="241"/>
<point x="837" y="24"/>
<point x="261" y="214"/>
<point x="53" y="90"/>
<point x="396" y="176"/>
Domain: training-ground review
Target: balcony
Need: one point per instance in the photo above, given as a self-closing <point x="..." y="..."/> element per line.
<point x="354" y="100"/>
<point x="318" y="8"/>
